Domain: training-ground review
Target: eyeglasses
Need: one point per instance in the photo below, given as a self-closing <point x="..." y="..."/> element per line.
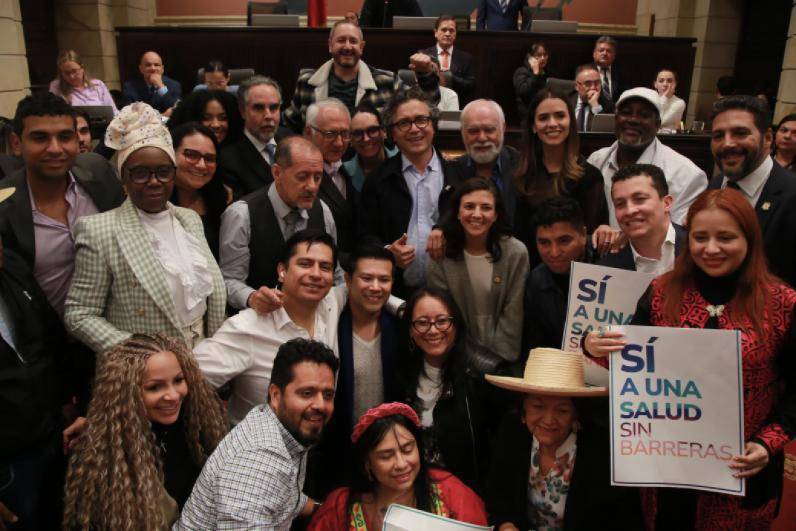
<point x="330" y="136"/>
<point x="423" y="325"/>
<point x="406" y="124"/>
<point x="142" y="174"/>
<point x="590" y="84"/>
<point x="359" y="134"/>
<point x="193" y="156"/>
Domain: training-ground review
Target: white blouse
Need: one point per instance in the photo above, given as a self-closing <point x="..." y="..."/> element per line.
<point x="184" y="263"/>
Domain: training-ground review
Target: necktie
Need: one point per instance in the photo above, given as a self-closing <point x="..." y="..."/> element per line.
<point x="606" y="84"/>
<point x="271" y="150"/>
<point x="733" y="185"/>
<point x="291" y="222"/>
<point x="504" y="5"/>
<point x="582" y="116"/>
<point x="445" y="60"/>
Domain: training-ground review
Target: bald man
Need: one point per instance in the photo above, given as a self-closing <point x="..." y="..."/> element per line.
<point x="152" y="87"/>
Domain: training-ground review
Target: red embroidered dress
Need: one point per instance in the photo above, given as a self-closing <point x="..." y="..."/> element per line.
<point x="761" y="385"/>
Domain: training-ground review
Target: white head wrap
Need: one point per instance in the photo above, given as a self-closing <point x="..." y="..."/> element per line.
<point x="136" y="126"/>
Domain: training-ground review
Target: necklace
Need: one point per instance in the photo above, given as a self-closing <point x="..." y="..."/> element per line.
<point x="715" y="311"/>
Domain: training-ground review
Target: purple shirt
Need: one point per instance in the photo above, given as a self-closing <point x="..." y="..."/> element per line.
<point x="55" y="245"/>
<point x="96" y="94"/>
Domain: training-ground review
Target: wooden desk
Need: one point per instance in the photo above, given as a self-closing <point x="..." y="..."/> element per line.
<point x="282" y="52"/>
<point x="695" y="147"/>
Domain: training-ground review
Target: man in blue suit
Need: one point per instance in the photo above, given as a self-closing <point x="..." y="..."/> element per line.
<point x="153" y="87"/>
<point x="499" y="15"/>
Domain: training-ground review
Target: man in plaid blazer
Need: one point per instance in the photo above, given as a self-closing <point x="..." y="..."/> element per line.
<point x="350" y="80"/>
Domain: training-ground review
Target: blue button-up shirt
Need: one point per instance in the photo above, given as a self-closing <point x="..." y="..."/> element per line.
<point x="425" y="190"/>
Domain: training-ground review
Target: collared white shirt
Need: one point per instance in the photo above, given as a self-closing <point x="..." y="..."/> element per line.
<point x="260" y="146"/>
<point x="597" y="109"/>
<point x="235" y="235"/>
<point x="244" y="348"/>
<point x="664" y="264"/>
<point x="440" y="49"/>
<point x="685" y="179"/>
<point x="332" y="169"/>
<point x="425" y="190"/>
<point x="752" y="185"/>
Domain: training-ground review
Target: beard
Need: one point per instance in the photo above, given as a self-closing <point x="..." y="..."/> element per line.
<point x="484" y="156"/>
<point x="751" y="160"/>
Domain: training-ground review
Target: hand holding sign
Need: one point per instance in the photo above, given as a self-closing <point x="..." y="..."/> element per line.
<point x="601" y="343"/>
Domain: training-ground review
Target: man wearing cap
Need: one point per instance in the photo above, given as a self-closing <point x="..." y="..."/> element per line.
<point x="555" y="436"/>
<point x="638" y="118"/>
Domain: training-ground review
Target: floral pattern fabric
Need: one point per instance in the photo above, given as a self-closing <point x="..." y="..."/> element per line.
<point x="547" y="495"/>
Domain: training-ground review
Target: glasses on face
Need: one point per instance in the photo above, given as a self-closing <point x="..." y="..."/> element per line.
<point x="142" y="174"/>
<point x="193" y="156"/>
<point x="406" y="124"/>
<point x="590" y="83"/>
<point x="359" y="134"/>
<point x="330" y="136"/>
<point x="423" y="325"/>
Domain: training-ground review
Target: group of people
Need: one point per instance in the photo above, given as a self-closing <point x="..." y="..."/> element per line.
<point x="235" y="324"/>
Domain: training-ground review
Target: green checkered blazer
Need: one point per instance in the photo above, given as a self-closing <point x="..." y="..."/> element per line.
<point x="119" y="286"/>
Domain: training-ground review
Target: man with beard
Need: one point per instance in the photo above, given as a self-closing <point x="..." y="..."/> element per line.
<point x="638" y="118"/>
<point x="83" y="131"/>
<point x="254" y="478"/>
<point x="246" y="164"/>
<point x="254" y="229"/>
<point x="741" y="144"/>
<point x="346" y="77"/>
<point x="483" y="127"/>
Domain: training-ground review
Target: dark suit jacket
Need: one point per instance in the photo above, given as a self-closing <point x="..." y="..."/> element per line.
<point x="616" y="83"/>
<point x="776" y="211"/>
<point x="243" y="168"/>
<point x="491" y="17"/>
<point x="592" y="503"/>
<point x="138" y="90"/>
<point x="91" y="171"/>
<point x="344" y="209"/>
<point x="373" y="12"/>
<point x="9" y="164"/>
<point x="386" y="204"/>
<point x="461" y="69"/>
<point x="607" y="105"/>
<point x="509" y="160"/>
<point x="624" y="258"/>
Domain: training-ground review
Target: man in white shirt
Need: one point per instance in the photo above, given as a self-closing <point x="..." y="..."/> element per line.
<point x="638" y="119"/>
<point x="243" y="349"/>
<point x="329" y="128"/>
<point x="640" y="195"/>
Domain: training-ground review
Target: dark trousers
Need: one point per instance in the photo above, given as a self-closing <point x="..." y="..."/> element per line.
<point x="31" y="487"/>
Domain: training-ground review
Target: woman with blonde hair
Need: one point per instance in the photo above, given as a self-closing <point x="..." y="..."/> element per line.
<point x="151" y="424"/>
<point x="74" y="84"/>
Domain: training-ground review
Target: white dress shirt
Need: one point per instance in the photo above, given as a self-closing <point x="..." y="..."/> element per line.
<point x="685" y="179"/>
<point x="752" y="185"/>
<point x="234" y="237"/>
<point x="666" y="261"/>
<point x="244" y="348"/>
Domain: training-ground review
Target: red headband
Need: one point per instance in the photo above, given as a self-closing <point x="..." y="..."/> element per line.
<point x="379" y="412"/>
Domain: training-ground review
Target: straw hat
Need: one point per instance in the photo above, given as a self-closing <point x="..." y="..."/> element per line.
<point x="550" y="371"/>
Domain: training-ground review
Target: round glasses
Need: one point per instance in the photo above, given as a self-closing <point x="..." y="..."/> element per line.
<point x="330" y="136"/>
<point x="359" y="134"/>
<point x="193" y="156"/>
<point x="406" y="124"/>
<point x="142" y="174"/>
<point x="423" y="325"/>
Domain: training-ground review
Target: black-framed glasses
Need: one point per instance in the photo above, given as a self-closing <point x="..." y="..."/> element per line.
<point x="193" y="156"/>
<point x="330" y="136"/>
<point x="406" y="124"/>
<point x="142" y="174"/>
<point x="441" y="323"/>
<point x="359" y="134"/>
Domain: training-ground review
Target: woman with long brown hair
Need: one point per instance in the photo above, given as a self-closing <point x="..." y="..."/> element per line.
<point x="721" y="281"/>
<point x="551" y="165"/>
<point x="151" y="424"/>
<point x="74" y="84"/>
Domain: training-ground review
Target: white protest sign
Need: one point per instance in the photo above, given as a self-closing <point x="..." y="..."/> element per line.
<point x="676" y="408"/>
<point x="402" y="518"/>
<point x="599" y="296"/>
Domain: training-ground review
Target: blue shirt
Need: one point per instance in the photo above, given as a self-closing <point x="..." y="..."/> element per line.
<point x="425" y="190"/>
